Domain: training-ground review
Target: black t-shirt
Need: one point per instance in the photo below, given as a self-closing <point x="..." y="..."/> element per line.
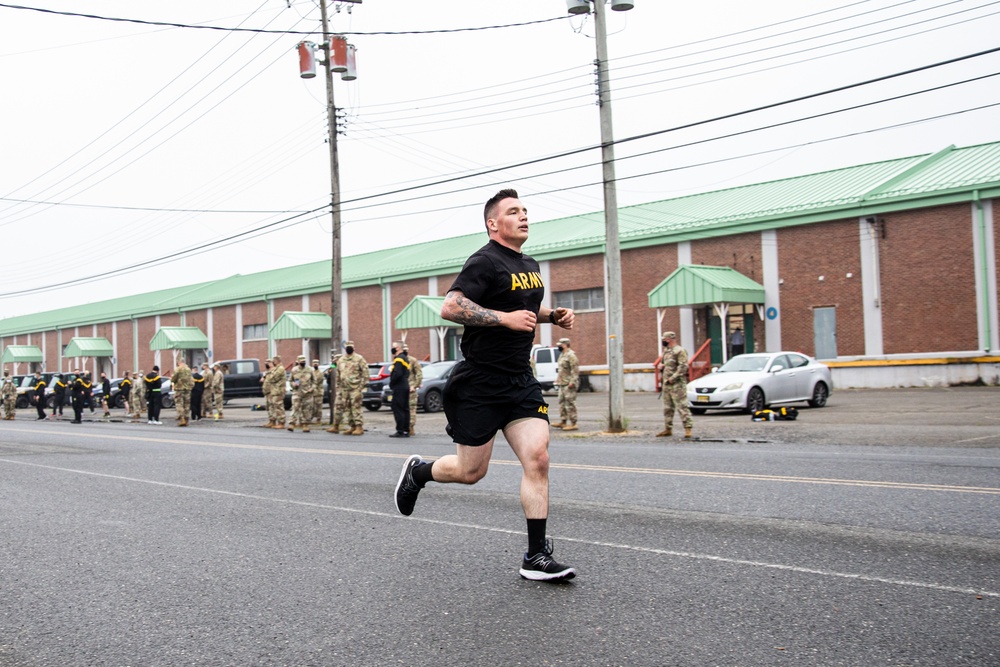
<point x="499" y="278"/>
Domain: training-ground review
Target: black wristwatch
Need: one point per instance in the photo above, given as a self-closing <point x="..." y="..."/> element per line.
<point x="552" y="316"/>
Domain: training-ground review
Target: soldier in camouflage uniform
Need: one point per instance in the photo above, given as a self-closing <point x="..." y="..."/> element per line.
<point x="207" y="400"/>
<point x="138" y="403"/>
<point x="352" y="378"/>
<point x="674" y="370"/>
<point x="302" y="387"/>
<point x="275" y="382"/>
<point x="567" y="381"/>
<point x="416" y="379"/>
<point x="218" y="389"/>
<point x="182" y="383"/>
<point x="265" y="389"/>
<point x="9" y="393"/>
<point x="337" y="408"/>
<point x="317" y="395"/>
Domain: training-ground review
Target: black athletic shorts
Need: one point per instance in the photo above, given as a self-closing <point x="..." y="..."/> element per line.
<point x="479" y="403"/>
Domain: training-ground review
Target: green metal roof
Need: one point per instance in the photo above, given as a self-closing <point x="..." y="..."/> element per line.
<point x="302" y="325"/>
<point x="20" y="354"/>
<point x="694" y="285"/>
<point x="89" y="347"/>
<point x="179" y="338"/>
<point x="423" y="312"/>
<point x="949" y="176"/>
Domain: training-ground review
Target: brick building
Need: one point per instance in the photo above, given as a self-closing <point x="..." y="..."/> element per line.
<point x="886" y="271"/>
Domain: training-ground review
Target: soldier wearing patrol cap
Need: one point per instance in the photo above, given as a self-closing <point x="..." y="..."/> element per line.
<point x="275" y="383"/>
<point x="302" y="380"/>
<point x="317" y="395"/>
<point x="352" y="378"/>
<point x="218" y="388"/>
<point x="567" y="382"/>
<point x="673" y="371"/>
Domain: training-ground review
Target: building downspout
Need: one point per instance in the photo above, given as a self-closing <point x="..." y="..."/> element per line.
<point x="984" y="271"/>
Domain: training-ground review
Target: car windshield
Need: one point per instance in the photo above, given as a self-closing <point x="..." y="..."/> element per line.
<point x="433" y="371"/>
<point x="744" y="363"/>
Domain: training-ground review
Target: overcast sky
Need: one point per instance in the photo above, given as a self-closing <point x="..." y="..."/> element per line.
<point x="131" y="145"/>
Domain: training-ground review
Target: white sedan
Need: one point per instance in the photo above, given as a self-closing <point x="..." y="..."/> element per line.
<point x="753" y="382"/>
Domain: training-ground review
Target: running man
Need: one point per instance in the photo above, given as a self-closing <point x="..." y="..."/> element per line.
<point x="497" y="298"/>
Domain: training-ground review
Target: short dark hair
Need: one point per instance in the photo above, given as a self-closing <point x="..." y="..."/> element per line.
<point x="491" y="203"/>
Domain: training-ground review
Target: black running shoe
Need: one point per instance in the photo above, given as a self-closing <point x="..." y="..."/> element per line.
<point x="541" y="567"/>
<point x="406" y="488"/>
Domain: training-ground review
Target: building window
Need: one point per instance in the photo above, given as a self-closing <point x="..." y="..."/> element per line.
<point x="580" y="299"/>
<point x="255" y="332"/>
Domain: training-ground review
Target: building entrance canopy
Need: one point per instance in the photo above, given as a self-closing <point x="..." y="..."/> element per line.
<point x="21" y="354"/>
<point x="302" y="325"/>
<point x="692" y="285"/>
<point x="179" y="338"/>
<point x="698" y="285"/>
<point x="89" y="347"/>
<point x="424" y="312"/>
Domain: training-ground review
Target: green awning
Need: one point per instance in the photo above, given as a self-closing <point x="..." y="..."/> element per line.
<point x="695" y="285"/>
<point x="423" y="312"/>
<point x="21" y="354"/>
<point x="89" y="347"/>
<point x="179" y="338"/>
<point x="302" y="325"/>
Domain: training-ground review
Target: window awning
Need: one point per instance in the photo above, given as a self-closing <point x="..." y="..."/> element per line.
<point x="179" y="338"/>
<point x="21" y="354"/>
<point x="302" y="325"/>
<point x="696" y="285"/>
<point x="423" y="312"/>
<point x="89" y="347"/>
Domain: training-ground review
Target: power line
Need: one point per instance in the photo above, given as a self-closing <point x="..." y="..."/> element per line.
<point x="263" y="31"/>
<point x="160" y="260"/>
<point x="273" y="226"/>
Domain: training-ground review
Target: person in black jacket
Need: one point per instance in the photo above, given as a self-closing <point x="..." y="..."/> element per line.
<point x="196" y="394"/>
<point x="78" y="398"/>
<point x="399" y="385"/>
<point x="153" y="383"/>
<point x="125" y="391"/>
<point x="38" y="394"/>
<point x="106" y="394"/>
<point x="59" y="387"/>
<point x="88" y="391"/>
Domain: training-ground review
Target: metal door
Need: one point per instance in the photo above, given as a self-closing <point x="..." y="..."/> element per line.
<point x="718" y="340"/>
<point x="825" y="332"/>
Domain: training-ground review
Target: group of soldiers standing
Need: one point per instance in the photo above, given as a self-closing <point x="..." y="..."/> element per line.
<point x="351" y="372"/>
<point x="672" y="365"/>
<point x="197" y="395"/>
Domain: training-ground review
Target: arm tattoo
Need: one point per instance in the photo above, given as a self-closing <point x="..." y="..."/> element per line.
<point x="473" y="314"/>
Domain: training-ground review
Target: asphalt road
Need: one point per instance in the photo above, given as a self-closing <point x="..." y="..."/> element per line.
<point x="865" y="533"/>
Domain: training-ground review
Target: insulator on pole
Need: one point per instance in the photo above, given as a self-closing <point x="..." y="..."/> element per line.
<point x="352" y="67"/>
<point x="307" y="60"/>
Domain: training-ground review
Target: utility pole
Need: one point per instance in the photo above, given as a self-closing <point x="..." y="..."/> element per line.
<point x="336" y="281"/>
<point x="612" y="249"/>
<point x="307" y="63"/>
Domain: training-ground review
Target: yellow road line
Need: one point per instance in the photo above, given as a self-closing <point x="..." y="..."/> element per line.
<point x="879" y="484"/>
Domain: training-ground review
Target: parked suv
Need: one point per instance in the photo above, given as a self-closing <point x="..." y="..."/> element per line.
<point x="378" y="377"/>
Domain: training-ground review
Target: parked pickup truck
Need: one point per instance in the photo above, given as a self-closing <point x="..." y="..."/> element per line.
<point x="242" y="378"/>
<point x="543" y="362"/>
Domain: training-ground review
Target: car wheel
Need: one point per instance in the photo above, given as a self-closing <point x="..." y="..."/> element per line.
<point x="698" y="411"/>
<point x="432" y="401"/>
<point x="119" y="402"/>
<point x="21" y="403"/>
<point x="50" y="402"/>
<point x="755" y="400"/>
<point x="373" y="406"/>
<point x="820" y="394"/>
<point x="167" y="401"/>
